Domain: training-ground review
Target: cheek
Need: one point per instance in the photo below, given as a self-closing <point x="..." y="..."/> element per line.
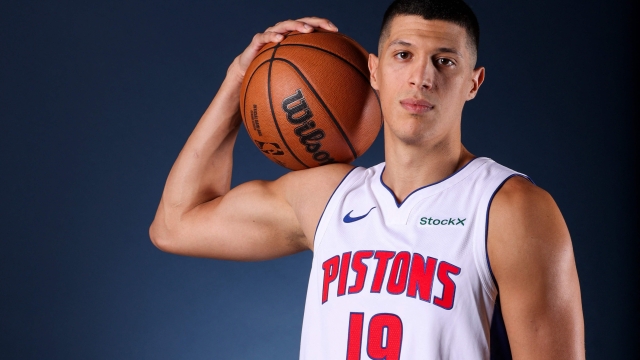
<point x="387" y="88"/>
<point x="392" y="74"/>
<point x="454" y="87"/>
<point x="383" y="78"/>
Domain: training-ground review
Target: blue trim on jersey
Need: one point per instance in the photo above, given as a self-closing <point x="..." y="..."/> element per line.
<point x="499" y="348"/>
<point x="420" y="188"/>
<point x="486" y="226"/>
<point x="327" y="204"/>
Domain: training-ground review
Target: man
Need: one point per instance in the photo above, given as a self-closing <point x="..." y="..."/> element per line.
<point x="434" y="254"/>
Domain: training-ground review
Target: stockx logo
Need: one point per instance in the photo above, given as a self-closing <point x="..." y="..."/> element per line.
<point x="445" y="221"/>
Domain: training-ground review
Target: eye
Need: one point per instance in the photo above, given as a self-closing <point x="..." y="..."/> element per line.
<point x="445" y="62"/>
<point x="403" y="55"/>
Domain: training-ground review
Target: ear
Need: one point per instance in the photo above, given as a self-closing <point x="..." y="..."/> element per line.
<point x="477" y="79"/>
<point x="373" y="68"/>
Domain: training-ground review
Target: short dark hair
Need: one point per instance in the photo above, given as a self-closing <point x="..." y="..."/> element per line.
<point x="454" y="11"/>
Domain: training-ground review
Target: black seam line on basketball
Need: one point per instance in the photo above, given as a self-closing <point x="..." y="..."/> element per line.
<point x="350" y="64"/>
<point x="334" y="54"/>
<point x="245" y="93"/>
<point x="265" y="50"/>
<point x="326" y="108"/>
<point x="273" y="114"/>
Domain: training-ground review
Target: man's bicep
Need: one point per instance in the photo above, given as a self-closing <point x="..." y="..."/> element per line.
<point x="251" y="222"/>
<point x="532" y="259"/>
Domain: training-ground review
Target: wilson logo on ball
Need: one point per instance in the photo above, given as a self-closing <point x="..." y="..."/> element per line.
<point x="299" y="113"/>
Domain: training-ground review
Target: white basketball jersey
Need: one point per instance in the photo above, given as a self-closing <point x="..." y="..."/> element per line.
<point x="406" y="280"/>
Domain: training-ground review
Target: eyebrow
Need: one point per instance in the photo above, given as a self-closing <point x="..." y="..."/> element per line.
<point x="442" y="49"/>
<point x="450" y="50"/>
<point x="400" y="42"/>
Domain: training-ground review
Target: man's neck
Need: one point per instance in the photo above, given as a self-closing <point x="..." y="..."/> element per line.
<point x="410" y="167"/>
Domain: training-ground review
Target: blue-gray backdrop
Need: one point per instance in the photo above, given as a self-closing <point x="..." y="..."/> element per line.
<point x="97" y="99"/>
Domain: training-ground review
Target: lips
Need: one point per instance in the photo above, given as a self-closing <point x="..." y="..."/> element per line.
<point x="416" y="106"/>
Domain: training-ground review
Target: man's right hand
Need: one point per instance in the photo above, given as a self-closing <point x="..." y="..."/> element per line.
<point x="274" y="34"/>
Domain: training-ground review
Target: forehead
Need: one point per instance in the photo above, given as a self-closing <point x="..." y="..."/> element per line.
<point x="418" y="31"/>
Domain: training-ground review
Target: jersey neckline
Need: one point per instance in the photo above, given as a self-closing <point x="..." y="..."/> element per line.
<point x="455" y="174"/>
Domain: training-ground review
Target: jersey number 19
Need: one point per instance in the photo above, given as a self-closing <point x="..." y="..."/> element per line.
<point x="384" y="338"/>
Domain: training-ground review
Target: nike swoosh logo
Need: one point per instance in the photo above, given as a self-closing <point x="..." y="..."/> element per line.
<point x="349" y="219"/>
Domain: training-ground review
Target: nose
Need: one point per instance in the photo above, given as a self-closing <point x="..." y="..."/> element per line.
<point x="422" y="75"/>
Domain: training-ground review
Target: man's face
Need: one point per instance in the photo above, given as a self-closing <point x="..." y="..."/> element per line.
<point x="424" y="75"/>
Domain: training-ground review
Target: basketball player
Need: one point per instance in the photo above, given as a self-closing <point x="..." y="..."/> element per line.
<point x="433" y="254"/>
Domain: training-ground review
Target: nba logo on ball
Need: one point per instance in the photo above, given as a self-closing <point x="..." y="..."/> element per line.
<point x="310" y="97"/>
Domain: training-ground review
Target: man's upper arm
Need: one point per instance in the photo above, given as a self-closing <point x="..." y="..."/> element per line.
<point x="531" y="256"/>
<point x="257" y="220"/>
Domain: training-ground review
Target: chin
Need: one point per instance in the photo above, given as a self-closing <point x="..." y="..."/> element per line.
<point x="412" y="135"/>
<point x="413" y="139"/>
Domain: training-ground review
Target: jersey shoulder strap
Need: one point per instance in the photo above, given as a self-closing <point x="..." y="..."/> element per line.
<point x="490" y="180"/>
<point x="353" y="178"/>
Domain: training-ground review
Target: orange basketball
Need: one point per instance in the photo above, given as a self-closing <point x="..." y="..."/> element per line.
<point x="307" y="100"/>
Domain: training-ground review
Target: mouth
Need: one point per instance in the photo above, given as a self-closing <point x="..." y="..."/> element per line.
<point x="416" y="106"/>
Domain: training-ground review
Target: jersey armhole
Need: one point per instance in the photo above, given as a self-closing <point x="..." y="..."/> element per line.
<point x="493" y="282"/>
<point x="344" y="185"/>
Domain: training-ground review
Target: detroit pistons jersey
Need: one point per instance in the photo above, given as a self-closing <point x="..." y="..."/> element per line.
<point x="408" y="280"/>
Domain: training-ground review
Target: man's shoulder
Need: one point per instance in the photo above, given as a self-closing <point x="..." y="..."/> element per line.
<point x="521" y="211"/>
<point x="317" y="178"/>
<point x="520" y="195"/>
<point x="524" y="219"/>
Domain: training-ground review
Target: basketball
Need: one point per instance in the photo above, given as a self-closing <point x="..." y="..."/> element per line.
<point x="307" y="100"/>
